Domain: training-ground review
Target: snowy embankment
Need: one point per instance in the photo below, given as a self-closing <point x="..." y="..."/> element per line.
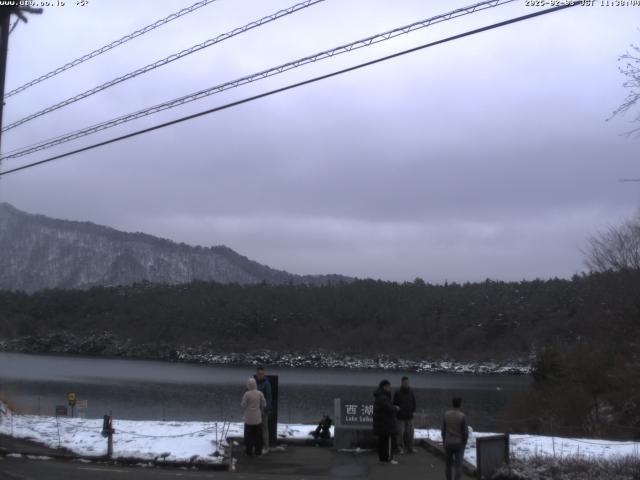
<point x="108" y="345"/>
<point x="144" y="440"/>
<point x="330" y="360"/>
<point x="527" y="446"/>
<point x="199" y="441"/>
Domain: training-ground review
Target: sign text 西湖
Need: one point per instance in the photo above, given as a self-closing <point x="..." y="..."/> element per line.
<point x="356" y="413"/>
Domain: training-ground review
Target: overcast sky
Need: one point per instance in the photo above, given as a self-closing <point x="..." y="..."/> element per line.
<point x="486" y="157"/>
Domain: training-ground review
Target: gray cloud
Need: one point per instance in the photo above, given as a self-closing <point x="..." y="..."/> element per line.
<point x="487" y="157"/>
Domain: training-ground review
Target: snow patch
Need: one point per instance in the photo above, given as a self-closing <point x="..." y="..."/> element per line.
<point x="530" y="446"/>
<point x="197" y="442"/>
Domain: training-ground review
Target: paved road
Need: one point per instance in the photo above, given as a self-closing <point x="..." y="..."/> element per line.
<point x="288" y="464"/>
<point x="13" y="444"/>
<point x="27" y="469"/>
<point x="321" y="463"/>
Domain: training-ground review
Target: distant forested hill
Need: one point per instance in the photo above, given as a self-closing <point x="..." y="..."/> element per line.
<point x="37" y="252"/>
<point x="470" y="321"/>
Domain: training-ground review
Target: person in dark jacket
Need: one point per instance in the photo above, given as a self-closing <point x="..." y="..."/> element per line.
<point x="454" y="436"/>
<point x="405" y="400"/>
<point x="384" y="422"/>
<point x="264" y="386"/>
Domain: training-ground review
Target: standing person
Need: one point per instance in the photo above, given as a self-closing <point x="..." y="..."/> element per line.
<point x="384" y="422"/>
<point x="253" y="404"/>
<point x="265" y="387"/>
<point x="405" y="400"/>
<point x="454" y="436"/>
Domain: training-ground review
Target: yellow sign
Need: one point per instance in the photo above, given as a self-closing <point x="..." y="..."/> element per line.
<point x="72" y="398"/>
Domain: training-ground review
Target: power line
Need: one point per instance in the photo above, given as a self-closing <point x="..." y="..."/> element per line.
<point x="294" y="85"/>
<point x="614" y="443"/>
<point x="110" y="46"/>
<point x="365" y="42"/>
<point x="165" y="61"/>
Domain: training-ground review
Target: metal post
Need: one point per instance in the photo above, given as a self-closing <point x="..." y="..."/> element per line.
<point x="507" y="448"/>
<point x="4" y="41"/>
<point x="107" y="431"/>
<point x="58" y="427"/>
<point x="5" y="25"/>
<point x="110" y="441"/>
<point x="232" y="466"/>
<point x="110" y="444"/>
<point x="273" y="416"/>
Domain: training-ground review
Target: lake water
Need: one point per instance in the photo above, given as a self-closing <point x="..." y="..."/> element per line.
<point x="144" y="390"/>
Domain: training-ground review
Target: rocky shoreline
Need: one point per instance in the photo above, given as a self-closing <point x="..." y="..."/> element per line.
<point x="108" y="345"/>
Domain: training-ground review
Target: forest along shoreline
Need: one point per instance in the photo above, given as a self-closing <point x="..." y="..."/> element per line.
<point x="107" y="345"/>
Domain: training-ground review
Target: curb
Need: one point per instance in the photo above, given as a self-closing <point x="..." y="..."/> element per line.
<point x="437" y="449"/>
<point x="128" y="461"/>
<point x="294" y="442"/>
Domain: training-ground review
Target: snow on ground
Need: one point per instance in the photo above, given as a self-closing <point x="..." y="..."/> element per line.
<point x="524" y="446"/>
<point x="146" y="440"/>
<point x="187" y="441"/>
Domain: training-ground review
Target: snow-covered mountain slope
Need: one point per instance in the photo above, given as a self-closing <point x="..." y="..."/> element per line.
<point x="37" y="252"/>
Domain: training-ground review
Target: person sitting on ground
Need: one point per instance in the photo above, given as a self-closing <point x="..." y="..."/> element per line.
<point x="384" y="422"/>
<point x="455" y="434"/>
<point x="265" y="387"/>
<point x="406" y="402"/>
<point x="323" y="430"/>
<point x="253" y="404"/>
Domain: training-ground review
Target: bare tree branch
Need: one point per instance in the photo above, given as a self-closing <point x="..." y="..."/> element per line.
<point x="617" y="248"/>
<point x="631" y="72"/>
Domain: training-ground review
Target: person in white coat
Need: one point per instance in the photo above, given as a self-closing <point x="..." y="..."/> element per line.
<point x="253" y="405"/>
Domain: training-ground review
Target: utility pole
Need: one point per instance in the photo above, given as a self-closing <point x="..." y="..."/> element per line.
<point x="5" y="25"/>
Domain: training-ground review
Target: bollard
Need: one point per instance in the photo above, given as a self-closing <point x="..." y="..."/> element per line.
<point x="108" y="431"/>
<point x="58" y="427"/>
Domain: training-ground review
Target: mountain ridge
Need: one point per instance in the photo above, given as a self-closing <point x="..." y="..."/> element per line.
<point x="39" y="252"/>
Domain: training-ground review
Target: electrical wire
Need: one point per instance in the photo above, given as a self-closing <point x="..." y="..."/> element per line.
<point x="614" y="443"/>
<point x="178" y="435"/>
<point x="365" y="42"/>
<point x="165" y="61"/>
<point x="110" y="46"/>
<point x="77" y="426"/>
<point x="293" y="86"/>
